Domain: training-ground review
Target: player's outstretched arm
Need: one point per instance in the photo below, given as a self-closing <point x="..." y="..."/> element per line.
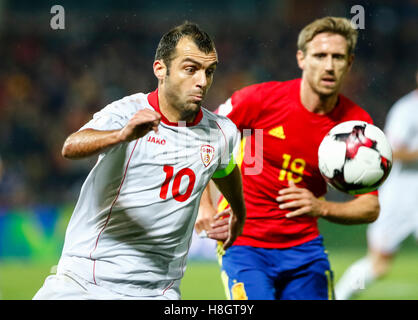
<point x="89" y="142"/>
<point x="231" y="187"/>
<point x="405" y="155"/>
<point x="363" y="209"/>
<point x="300" y="201"/>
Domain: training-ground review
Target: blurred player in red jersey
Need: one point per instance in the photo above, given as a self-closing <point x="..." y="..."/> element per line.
<point x="280" y="254"/>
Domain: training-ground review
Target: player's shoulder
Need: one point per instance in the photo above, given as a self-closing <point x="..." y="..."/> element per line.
<point x="264" y="93"/>
<point x="403" y="111"/>
<point x="407" y="102"/>
<point x="222" y="122"/>
<point x="220" y="119"/>
<point x="128" y="105"/>
<point x="272" y="87"/>
<point x="351" y="109"/>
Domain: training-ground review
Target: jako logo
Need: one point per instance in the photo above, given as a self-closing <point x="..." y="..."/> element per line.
<point x="156" y="140"/>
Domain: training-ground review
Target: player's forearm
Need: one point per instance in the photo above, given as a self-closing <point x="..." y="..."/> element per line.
<point x="405" y="155"/>
<point x="89" y="142"/>
<point x="206" y="200"/>
<point x="231" y="188"/>
<point x="364" y="209"/>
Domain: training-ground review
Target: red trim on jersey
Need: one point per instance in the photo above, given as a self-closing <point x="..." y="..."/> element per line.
<point x="153" y="101"/>
<point x="110" y="212"/>
<point x="226" y="140"/>
<point x="169" y="286"/>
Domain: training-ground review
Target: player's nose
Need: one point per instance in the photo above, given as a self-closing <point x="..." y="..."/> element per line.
<point x="201" y="79"/>
<point x="329" y="63"/>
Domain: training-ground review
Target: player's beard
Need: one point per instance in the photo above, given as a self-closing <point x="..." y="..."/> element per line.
<point x="182" y="103"/>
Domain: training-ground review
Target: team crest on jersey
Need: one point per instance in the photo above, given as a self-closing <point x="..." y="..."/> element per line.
<point x="207" y="152"/>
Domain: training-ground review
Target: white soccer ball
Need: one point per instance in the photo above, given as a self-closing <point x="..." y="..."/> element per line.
<point x="355" y="157"/>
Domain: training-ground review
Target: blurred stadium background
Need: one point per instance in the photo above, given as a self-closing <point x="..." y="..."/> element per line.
<point x="52" y="81"/>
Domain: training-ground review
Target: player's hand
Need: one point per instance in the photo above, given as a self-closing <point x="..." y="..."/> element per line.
<point x="140" y="124"/>
<point x="226" y="228"/>
<point x="300" y="201"/>
<point x="204" y="220"/>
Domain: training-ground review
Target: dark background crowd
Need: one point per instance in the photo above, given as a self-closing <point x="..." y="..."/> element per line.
<point x="52" y="81"/>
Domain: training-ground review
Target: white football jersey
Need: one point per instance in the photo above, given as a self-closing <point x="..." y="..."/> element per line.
<point x="132" y="225"/>
<point x="402" y="129"/>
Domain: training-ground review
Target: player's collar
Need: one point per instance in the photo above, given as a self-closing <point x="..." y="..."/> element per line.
<point x="153" y="101"/>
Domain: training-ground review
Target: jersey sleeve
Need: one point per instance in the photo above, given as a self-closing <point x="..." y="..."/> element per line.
<point x="243" y="107"/>
<point x="228" y="157"/>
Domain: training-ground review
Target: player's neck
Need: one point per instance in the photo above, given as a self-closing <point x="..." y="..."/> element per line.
<point x="316" y="103"/>
<point x="171" y="113"/>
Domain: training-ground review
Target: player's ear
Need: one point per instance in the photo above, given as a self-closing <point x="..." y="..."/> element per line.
<point x="300" y="57"/>
<point x="350" y="61"/>
<point x="160" y="69"/>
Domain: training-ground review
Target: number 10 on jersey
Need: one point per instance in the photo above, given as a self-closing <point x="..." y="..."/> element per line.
<point x="169" y="173"/>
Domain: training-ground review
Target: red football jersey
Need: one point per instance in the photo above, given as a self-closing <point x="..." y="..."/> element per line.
<point x="288" y="151"/>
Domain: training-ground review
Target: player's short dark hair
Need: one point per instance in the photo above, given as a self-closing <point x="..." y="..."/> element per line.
<point x="168" y="43"/>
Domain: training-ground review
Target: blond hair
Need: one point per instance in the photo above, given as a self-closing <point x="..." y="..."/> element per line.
<point x="336" y="25"/>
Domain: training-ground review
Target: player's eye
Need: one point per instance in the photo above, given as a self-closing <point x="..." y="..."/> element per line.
<point x="339" y="56"/>
<point x="210" y="72"/>
<point x="190" y="69"/>
<point x="320" y="55"/>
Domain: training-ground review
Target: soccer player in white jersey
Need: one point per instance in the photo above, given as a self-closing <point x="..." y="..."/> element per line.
<point x="131" y="229"/>
<point x="398" y="201"/>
